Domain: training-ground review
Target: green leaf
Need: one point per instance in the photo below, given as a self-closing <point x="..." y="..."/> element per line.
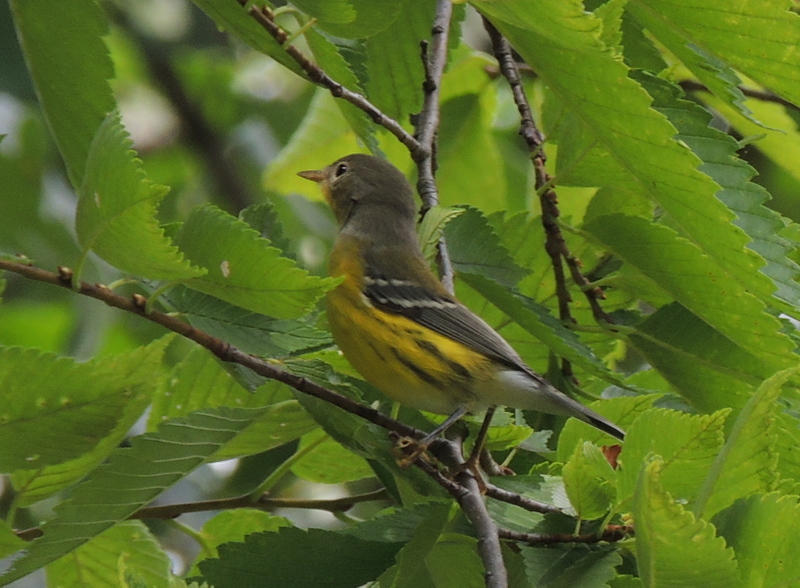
<point x="117" y="207"/>
<point x="9" y="542"/>
<point x="454" y="561"/>
<point x="673" y="549"/>
<point x="703" y="365"/>
<point x="523" y="236"/>
<point x="45" y="325"/>
<point x="395" y="71"/>
<point x="748" y="462"/>
<point x="77" y="98"/>
<point x="788" y="441"/>
<point x="640" y="51"/>
<point x="695" y="281"/>
<point x="334" y="11"/>
<point x="249" y="331"/>
<point x="469" y="158"/>
<point x="370" y="19"/>
<point x="328" y="462"/>
<point x="625" y="581"/>
<point x="232" y="16"/>
<point x="298" y="558"/>
<point x="611" y="14"/>
<point x="396" y="524"/>
<point x="35" y="485"/>
<point x="125" y="548"/>
<point x="476" y="249"/>
<point x="685" y="454"/>
<point x="752" y="36"/>
<point x="245" y="269"/>
<point x="365" y="439"/>
<point x="573" y="565"/>
<point x="263" y="218"/>
<point x="515" y="517"/>
<point x="780" y="142"/>
<point x="23" y="226"/>
<point x="411" y="569"/>
<point x="200" y="382"/>
<point x="590" y="482"/>
<point x="55" y="409"/>
<point x="739" y="193"/>
<point x="765" y="557"/>
<point x="716" y="74"/>
<point x="130" y="479"/>
<point x="430" y="230"/>
<point x="233" y="526"/>
<point x="506" y="436"/>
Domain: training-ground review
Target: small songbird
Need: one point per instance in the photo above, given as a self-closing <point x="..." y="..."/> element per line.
<point x="396" y="323"/>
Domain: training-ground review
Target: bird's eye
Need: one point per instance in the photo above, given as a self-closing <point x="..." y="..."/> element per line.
<point x="340" y="169"/>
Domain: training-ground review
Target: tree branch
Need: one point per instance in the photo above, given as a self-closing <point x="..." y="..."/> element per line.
<point x="223" y="350"/>
<point x="466" y="489"/>
<point x="229" y="353"/>
<point x="611" y="533"/>
<point x="265" y="18"/>
<point x="434" y="59"/>
<point x="555" y="245"/>
<point x="264" y="502"/>
<point x="518" y="500"/>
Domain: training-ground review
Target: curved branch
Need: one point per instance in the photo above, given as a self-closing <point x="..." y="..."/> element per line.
<point x="265" y="18"/>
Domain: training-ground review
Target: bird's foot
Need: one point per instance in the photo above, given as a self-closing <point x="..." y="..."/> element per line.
<point x="407" y="450"/>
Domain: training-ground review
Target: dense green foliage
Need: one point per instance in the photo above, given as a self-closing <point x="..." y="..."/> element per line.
<point x="101" y="412"/>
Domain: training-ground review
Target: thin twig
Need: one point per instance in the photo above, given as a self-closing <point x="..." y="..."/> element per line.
<point x="611" y="533"/>
<point x="434" y="59"/>
<point x="264" y="17"/>
<point x="555" y="244"/>
<point x="171" y="511"/>
<point x="518" y="500"/>
<point x="763" y="95"/>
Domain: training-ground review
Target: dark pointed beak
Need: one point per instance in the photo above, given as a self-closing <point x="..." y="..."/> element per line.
<point x="315" y="175"/>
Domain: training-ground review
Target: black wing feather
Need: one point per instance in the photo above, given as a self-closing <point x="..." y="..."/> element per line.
<point x="442" y="314"/>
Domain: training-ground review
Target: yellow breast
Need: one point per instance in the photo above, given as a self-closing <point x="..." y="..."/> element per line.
<point x="408" y="362"/>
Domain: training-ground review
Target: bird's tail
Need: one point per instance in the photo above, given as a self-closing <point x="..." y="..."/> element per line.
<point x="598" y="422"/>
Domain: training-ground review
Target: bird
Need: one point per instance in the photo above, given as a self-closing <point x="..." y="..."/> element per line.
<point x="396" y="323"/>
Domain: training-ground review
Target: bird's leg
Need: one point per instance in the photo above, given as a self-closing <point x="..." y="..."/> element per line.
<point x="413" y="448"/>
<point x="473" y="461"/>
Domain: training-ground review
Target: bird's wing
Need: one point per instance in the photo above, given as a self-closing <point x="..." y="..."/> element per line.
<point x="442" y="314"/>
